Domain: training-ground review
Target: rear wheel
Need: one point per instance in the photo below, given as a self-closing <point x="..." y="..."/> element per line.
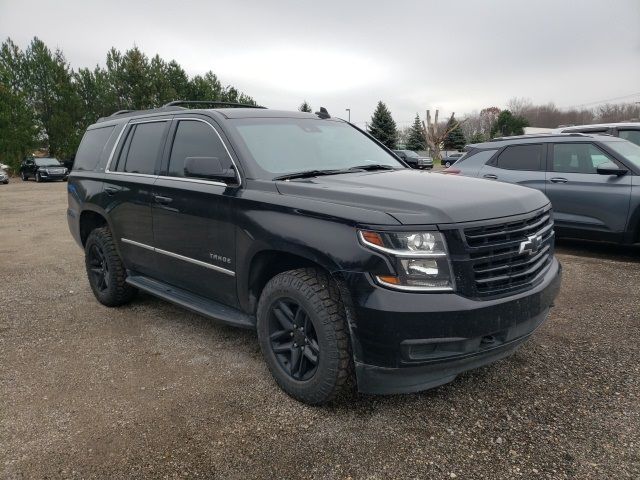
<point x="105" y="269"/>
<point x="24" y="176"/>
<point x="447" y="164"/>
<point x="302" y="329"/>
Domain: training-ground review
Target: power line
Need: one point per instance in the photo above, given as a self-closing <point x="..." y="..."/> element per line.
<point x="602" y="101"/>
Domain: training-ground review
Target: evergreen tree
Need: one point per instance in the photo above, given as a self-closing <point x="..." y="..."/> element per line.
<point x="477" y="138"/>
<point x="383" y="127"/>
<point x="18" y="132"/>
<point x="415" y="140"/>
<point x="508" y="124"/>
<point x="455" y="138"/>
<point x="43" y="100"/>
<point x="53" y="97"/>
<point x="305" y="107"/>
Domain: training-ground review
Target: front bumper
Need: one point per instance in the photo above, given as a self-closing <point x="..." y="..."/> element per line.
<point x="53" y="176"/>
<point x="407" y="342"/>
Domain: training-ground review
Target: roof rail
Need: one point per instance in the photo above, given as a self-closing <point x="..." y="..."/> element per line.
<point x="120" y="112"/>
<point x="217" y="104"/>
<point x="539" y="135"/>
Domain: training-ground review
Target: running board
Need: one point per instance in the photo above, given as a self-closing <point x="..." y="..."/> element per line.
<point x="193" y="302"/>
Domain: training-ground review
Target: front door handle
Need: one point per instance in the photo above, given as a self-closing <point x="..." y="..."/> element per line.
<point x="490" y="176"/>
<point x="162" y="200"/>
<point x="558" y="180"/>
<point x="111" y="190"/>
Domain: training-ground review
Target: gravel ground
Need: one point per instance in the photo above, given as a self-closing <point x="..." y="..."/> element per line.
<point x="150" y="390"/>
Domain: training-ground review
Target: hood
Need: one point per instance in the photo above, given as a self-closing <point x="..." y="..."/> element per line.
<point x="419" y="198"/>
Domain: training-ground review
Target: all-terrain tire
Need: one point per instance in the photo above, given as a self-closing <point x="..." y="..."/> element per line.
<point x="115" y="291"/>
<point x="319" y="295"/>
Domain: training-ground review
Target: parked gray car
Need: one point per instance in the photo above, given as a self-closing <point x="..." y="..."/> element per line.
<point x="593" y="181"/>
<point x="414" y="160"/>
<point x="627" y="130"/>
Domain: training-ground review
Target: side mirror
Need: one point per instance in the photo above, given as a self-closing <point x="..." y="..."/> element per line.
<point x="209" y="168"/>
<point x="610" y="168"/>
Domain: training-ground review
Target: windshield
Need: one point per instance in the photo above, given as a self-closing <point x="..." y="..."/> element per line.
<point x="628" y="150"/>
<point x="411" y="154"/>
<point x="47" y="162"/>
<point x="281" y="146"/>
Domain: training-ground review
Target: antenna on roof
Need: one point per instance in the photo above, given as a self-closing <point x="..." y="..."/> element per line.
<point x="323" y="113"/>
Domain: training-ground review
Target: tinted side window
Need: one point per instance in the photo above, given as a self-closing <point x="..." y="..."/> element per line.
<point x="195" y="139"/>
<point x="91" y="148"/>
<point x="631" y="135"/>
<point x="142" y="148"/>
<point x="521" y="157"/>
<point x="577" y="158"/>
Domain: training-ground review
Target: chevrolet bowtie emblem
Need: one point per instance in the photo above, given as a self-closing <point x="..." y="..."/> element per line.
<point x="531" y="245"/>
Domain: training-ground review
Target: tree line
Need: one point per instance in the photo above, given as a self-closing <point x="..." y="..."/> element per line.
<point x="44" y="103"/>
<point x="491" y="122"/>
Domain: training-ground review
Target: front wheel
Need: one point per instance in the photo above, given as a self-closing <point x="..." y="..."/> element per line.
<point x="447" y="164"/>
<point x="302" y="330"/>
<point x="24" y="176"/>
<point x="105" y="269"/>
<point x="38" y="178"/>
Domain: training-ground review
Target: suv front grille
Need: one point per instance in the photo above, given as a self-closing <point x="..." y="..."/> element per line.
<point x="509" y="256"/>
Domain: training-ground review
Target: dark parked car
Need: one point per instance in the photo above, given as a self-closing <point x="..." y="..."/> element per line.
<point x="352" y="268"/>
<point x="628" y="130"/>
<point x="4" y="176"/>
<point x="43" y="169"/>
<point x="451" y="159"/>
<point x="593" y="181"/>
<point x="414" y="160"/>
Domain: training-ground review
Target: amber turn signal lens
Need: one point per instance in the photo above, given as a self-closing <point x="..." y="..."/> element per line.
<point x="373" y="237"/>
<point x="389" y="279"/>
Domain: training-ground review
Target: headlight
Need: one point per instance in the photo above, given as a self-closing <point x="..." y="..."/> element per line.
<point x="421" y="259"/>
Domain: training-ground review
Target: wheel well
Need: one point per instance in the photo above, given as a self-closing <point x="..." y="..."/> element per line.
<point x="268" y="264"/>
<point x="89" y="221"/>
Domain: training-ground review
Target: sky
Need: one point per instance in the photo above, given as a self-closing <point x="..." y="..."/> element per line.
<point x="456" y="56"/>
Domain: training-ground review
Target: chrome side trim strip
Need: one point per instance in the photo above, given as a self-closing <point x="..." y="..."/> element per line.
<point x="180" y="257"/>
<point x="138" y="244"/>
<point x="196" y="262"/>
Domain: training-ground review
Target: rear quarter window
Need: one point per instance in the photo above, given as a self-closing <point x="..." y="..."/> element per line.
<point x="521" y="157"/>
<point x="91" y="148"/>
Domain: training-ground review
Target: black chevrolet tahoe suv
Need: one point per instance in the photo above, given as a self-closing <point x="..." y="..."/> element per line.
<point x="355" y="270"/>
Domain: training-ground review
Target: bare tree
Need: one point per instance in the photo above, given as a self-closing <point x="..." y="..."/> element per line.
<point x="434" y="134"/>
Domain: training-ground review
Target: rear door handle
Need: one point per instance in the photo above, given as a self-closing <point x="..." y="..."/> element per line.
<point x="558" y="180"/>
<point x="162" y="200"/>
<point x="490" y="176"/>
<point x="111" y="190"/>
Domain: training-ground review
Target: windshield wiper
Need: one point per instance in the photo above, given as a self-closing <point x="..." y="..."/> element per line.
<point x="309" y="173"/>
<point x="318" y="173"/>
<point x="372" y="166"/>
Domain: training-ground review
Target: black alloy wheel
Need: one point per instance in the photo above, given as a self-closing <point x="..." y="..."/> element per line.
<point x="293" y="339"/>
<point x="304" y="337"/>
<point x="98" y="267"/>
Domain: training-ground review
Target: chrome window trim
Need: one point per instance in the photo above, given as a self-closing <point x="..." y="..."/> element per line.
<point x="193" y="180"/>
<point x="180" y="257"/>
<point x="235" y="166"/>
<point x="115" y="145"/>
<point x="181" y="179"/>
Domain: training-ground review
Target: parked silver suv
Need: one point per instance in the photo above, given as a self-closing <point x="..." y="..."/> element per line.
<point x="593" y="181"/>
